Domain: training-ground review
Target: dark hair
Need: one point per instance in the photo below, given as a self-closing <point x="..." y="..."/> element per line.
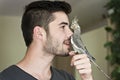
<point x="39" y="13"/>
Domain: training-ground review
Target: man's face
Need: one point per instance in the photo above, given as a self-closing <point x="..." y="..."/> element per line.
<point x="58" y="39"/>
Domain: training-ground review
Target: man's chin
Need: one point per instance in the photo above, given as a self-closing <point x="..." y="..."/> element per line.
<point x="66" y="55"/>
<point x="63" y="55"/>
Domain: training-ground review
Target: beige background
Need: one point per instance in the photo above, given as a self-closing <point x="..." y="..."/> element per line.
<point x="12" y="47"/>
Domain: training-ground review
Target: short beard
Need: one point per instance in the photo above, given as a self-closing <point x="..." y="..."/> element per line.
<point x="53" y="49"/>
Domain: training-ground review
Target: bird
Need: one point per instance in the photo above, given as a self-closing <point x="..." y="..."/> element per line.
<point x="76" y="41"/>
<point x="79" y="47"/>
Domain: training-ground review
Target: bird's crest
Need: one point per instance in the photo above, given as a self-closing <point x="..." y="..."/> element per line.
<point x="74" y="24"/>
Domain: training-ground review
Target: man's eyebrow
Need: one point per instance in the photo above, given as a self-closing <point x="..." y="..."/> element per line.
<point x="64" y="23"/>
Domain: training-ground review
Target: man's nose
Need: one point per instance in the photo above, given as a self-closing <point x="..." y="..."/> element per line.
<point x="69" y="32"/>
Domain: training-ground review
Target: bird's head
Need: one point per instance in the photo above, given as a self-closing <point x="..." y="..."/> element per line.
<point x="74" y="24"/>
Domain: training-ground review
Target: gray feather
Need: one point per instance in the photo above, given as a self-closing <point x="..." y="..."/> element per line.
<point x="79" y="47"/>
<point x="76" y="41"/>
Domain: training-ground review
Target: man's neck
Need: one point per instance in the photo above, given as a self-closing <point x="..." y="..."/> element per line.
<point x="37" y="64"/>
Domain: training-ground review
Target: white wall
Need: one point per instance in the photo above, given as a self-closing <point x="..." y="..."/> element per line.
<point x="12" y="46"/>
<point x="94" y="41"/>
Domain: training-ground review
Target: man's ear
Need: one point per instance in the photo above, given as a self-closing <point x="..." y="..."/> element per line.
<point x="38" y="32"/>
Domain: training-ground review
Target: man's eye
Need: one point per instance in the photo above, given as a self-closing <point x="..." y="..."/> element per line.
<point x="63" y="27"/>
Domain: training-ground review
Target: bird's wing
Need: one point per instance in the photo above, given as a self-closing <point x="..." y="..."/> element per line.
<point x="76" y="41"/>
<point x="79" y="47"/>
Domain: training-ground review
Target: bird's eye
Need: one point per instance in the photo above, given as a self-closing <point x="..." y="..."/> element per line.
<point x="71" y="29"/>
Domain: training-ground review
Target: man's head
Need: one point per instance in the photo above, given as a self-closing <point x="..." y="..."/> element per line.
<point x="40" y="13"/>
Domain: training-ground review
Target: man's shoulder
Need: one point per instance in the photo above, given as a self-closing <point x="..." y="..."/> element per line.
<point x="9" y="73"/>
<point x="6" y="73"/>
<point x="15" y="73"/>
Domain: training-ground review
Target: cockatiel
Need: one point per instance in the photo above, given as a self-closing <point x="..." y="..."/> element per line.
<point x="78" y="45"/>
<point x="76" y="41"/>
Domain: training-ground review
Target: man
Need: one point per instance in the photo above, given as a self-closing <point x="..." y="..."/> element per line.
<point x="46" y="32"/>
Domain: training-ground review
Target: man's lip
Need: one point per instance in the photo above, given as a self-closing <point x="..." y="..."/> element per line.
<point x="67" y="42"/>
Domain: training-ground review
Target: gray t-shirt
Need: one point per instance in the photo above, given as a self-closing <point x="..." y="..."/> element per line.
<point x="15" y="73"/>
